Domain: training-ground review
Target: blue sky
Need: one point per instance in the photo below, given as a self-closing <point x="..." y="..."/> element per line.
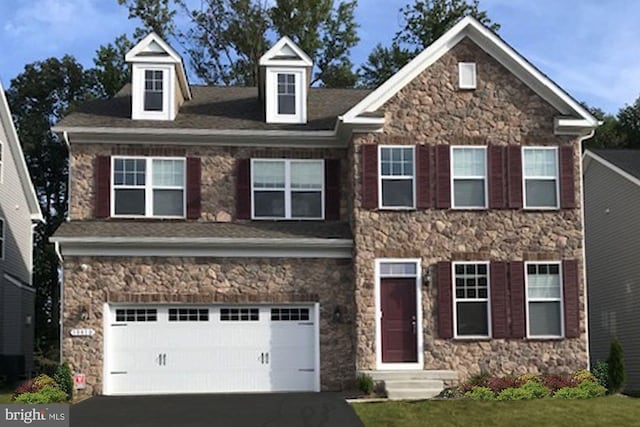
<point x="589" y="47"/>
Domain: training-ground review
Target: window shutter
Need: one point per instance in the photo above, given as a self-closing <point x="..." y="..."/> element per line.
<point x="423" y="177"/>
<point x="443" y="180"/>
<point x="497" y="178"/>
<point x="369" y="176"/>
<point x="102" y="185"/>
<point x="514" y="167"/>
<point x="516" y="288"/>
<point x="243" y="189"/>
<point x="445" y="300"/>
<point x="499" y="321"/>
<point x="332" y="189"/>
<point x="567" y="179"/>
<point x="194" y="181"/>
<point x="571" y="298"/>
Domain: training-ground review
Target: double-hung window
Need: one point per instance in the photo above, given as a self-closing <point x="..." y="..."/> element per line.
<point x="471" y="299"/>
<point x="153" y="90"/>
<point x="544" y="300"/>
<point x="286" y="93"/>
<point x="148" y="187"/>
<point x="288" y="189"/>
<point x="469" y="177"/>
<point x="540" y="172"/>
<point x="397" y="177"/>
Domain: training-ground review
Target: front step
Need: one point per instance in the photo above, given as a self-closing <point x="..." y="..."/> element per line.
<point x="412" y="385"/>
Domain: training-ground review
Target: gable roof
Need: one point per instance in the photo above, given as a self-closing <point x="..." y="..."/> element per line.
<point x="577" y="119"/>
<point x="286" y="52"/>
<point x="625" y="162"/>
<point x="18" y="158"/>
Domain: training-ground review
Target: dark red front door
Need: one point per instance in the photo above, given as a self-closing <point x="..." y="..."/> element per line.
<point x="398" y="322"/>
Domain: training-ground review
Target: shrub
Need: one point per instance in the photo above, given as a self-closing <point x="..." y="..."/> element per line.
<point x="616" y="374"/>
<point x="557" y="382"/>
<point x="480" y="393"/>
<point x="365" y="383"/>
<point x="584" y="390"/>
<point x="34" y="385"/>
<point x="601" y="371"/>
<point x="479" y="380"/>
<point x="450" y="393"/>
<point x="525" y="378"/>
<point x="44" y="364"/>
<point x="48" y="394"/>
<point x="583" y="375"/>
<point x="528" y="391"/>
<point x="497" y="384"/>
<point x="64" y="380"/>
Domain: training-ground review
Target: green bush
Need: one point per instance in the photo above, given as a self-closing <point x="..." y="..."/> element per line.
<point x="64" y="380"/>
<point x="530" y="390"/>
<point x="600" y="370"/>
<point x="583" y="375"/>
<point x="42" y="381"/>
<point x="44" y="364"/>
<point x="480" y="393"/>
<point x="48" y="394"/>
<point x="616" y="374"/>
<point x="365" y="383"/>
<point x="585" y="390"/>
<point x="34" y="385"/>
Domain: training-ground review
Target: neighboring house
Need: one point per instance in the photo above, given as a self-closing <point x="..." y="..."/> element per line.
<point x="19" y="211"/>
<point x="612" y="231"/>
<point x="286" y="237"/>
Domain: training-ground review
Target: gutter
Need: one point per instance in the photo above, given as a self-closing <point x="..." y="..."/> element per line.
<point x="208" y="241"/>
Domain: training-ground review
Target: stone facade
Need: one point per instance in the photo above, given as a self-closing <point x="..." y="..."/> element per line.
<point x="431" y="110"/>
<point x="91" y="282"/>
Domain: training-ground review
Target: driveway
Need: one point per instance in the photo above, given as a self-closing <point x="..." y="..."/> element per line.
<point x="213" y="410"/>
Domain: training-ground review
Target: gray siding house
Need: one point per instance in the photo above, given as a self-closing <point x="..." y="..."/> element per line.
<point x="19" y="211"/>
<point x="612" y="232"/>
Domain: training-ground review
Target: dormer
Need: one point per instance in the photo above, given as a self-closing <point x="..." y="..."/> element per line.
<point x="158" y="80"/>
<point x="285" y="75"/>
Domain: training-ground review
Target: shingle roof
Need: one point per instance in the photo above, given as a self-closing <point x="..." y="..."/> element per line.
<point x="625" y="159"/>
<point x="182" y="229"/>
<point x="215" y="107"/>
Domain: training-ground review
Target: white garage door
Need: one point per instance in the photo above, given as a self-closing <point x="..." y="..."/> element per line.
<point x="231" y="348"/>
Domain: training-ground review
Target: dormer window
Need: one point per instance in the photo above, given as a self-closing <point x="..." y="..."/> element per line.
<point x="286" y="93"/>
<point x="153" y="95"/>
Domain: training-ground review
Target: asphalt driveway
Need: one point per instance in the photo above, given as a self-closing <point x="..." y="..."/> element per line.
<point x="213" y="410"/>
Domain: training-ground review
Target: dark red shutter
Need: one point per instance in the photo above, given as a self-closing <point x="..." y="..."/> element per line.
<point x="445" y="300"/>
<point x="332" y="189"/>
<point x="497" y="177"/>
<point x="498" y="284"/>
<point x="423" y="177"/>
<point x="194" y="182"/>
<point x="567" y="179"/>
<point x="370" y="176"/>
<point x="514" y="171"/>
<point x="243" y="189"/>
<point x="102" y="185"/>
<point x="516" y="288"/>
<point x="443" y="177"/>
<point x="571" y="298"/>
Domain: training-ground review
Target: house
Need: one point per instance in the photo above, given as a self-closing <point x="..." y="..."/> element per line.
<point x="19" y="212"/>
<point x="612" y="192"/>
<point x="288" y="237"/>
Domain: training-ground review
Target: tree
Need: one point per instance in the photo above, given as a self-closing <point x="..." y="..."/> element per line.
<point x="424" y="22"/>
<point x="617" y="374"/>
<point x="629" y="120"/>
<point x="155" y="15"/>
<point x="111" y="72"/>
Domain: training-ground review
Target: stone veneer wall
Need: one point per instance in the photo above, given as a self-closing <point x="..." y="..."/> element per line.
<point x="89" y="282"/>
<point x="218" y="173"/>
<point x="431" y="110"/>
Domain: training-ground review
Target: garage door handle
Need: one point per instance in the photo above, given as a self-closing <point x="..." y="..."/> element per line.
<point x="264" y="358"/>
<point x="164" y="359"/>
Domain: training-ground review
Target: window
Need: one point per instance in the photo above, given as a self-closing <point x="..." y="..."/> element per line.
<point x="188" y="314"/>
<point x="239" y="314"/>
<point x="283" y="314"/>
<point x="471" y="299"/>
<point x="136" y="315"/>
<point x="397" y="176"/>
<point x="469" y="176"/>
<point x="467" y="75"/>
<point x="1" y="238"/>
<point x="288" y="189"/>
<point x="540" y="172"/>
<point x="148" y="187"/>
<point x="153" y="91"/>
<point x="544" y="300"/>
<point x="286" y="93"/>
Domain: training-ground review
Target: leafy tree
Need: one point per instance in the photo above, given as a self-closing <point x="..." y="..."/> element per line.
<point x="155" y="15"/>
<point x="617" y="374"/>
<point x="629" y="120"/>
<point x="111" y="72"/>
<point x="424" y="22"/>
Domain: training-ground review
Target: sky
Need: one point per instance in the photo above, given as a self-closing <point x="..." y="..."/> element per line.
<point x="588" y="47"/>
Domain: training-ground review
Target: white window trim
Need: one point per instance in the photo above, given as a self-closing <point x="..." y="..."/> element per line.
<point x="271" y="90"/>
<point x="473" y="67"/>
<point x="524" y="180"/>
<point x="3" y="247"/>
<point x="287" y="190"/>
<point x="477" y="177"/>
<point x="561" y="300"/>
<point x="412" y="177"/>
<point x="419" y="316"/>
<point x="148" y="188"/>
<point x="138" y="92"/>
<point x="455" y="301"/>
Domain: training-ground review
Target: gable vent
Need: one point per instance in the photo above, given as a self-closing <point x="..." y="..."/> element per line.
<point x="467" y="75"/>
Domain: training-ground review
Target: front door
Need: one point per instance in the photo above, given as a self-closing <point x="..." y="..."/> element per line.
<point x="398" y="320"/>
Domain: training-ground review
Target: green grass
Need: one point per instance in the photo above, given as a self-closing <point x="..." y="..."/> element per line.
<point x="5" y="395"/>
<point x="602" y="411"/>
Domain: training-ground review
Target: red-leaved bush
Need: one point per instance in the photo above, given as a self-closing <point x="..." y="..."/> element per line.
<point x="556" y="382"/>
<point x="497" y="384"/>
<point x="34" y="385"/>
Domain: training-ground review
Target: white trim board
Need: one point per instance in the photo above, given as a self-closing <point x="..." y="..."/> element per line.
<point x="18" y="283"/>
<point x="285" y="43"/>
<point x="589" y="155"/>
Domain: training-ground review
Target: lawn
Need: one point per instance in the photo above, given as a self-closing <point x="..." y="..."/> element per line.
<point x="603" y="411"/>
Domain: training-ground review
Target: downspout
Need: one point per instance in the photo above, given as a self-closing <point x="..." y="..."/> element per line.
<point x="584" y="248"/>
